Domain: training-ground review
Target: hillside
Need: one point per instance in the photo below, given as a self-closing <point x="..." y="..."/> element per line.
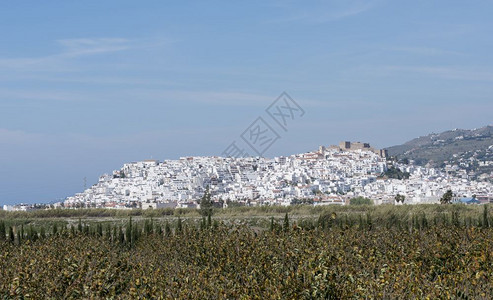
<point x="471" y="150"/>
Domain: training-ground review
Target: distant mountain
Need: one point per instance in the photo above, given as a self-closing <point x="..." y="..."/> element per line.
<point x="467" y="149"/>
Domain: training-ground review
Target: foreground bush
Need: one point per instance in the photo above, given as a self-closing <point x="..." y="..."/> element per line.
<point x="235" y="262"/>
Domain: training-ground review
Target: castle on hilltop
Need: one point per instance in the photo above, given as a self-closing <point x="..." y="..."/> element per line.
<point x="350" y="146"/>
<point x="354" y="146"/>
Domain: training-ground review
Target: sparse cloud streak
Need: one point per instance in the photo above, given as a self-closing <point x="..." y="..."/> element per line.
<point x="455" y="73"/>
<point x="89" y="46"/>
<point x="323" y="12"/>
<point x="428" y="51"/>
<point x="70" y="49"/>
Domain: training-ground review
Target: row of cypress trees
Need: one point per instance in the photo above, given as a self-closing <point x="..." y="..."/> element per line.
<point x="126" y="234"/>
<point x="129" y="233"/>
<point x="417" y="221"/>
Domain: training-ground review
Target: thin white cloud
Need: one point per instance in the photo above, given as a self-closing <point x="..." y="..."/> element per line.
<point x="428" y="51"/>
<point x="16" y="137"/>
<point x="25" y="140"/>
<point x="436" y="30"/>
<point x="39" y="95"/>
<point x="222" y="98"/>
<point x="458" y="73"/>
<point x="87" y="46"/>
<point x="74" y="48"/>
<point x="323" y="12"/>
<point x="150" y="95"/>
<point x="216" y="98"/>
<point x="110" y="80"/>
<point x="353" y="10"/>
<point x="33" y="63"/>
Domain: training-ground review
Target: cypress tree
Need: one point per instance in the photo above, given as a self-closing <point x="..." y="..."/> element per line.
<point x="99" y="229"/>
<point x="34" y="234"/>
<point x="11" y="234"/>
<point x="206" y="203"/>
<point x="455" y="218"/>
<point x="43" y="232"/>
<point x="121" y="235"/>
<point x="424" y="221"/>
<point x="485" y="217"/>
<point x="2" y="231"/>
<point x="369" y="222"/>
<point x="30" y="232"/>
<point x="114" y="236"/>
<point x="148" y="227"/>
<point x="286" y="223"/>
<point x="179" y="226"/>
<point x="128" y="231"/>
<point x="167" y="229"/>
<point x="135" y="235"/>
<point x="108" y="231"/>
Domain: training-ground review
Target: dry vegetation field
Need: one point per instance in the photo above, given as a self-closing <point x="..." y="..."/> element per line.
<point x="299" y="253"/>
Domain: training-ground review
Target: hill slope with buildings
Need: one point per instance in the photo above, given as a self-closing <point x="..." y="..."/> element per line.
<point x="329" y="175"/>
<point x="458" y="150"/>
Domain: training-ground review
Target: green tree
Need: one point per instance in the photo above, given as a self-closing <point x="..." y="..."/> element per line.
<point x="206" y="203"/>
<point x="447" y="197"/>
<point x="128" y="231"/>
<point x="167" y="229"/>
<point x="159" y="229"/>
<point x="179" y="226"/>
<point x="400" y="198"/>
<point x="360" y="201"/>
<point x="396" y="173"/>
<point x="11" y="234"/>
<point x="135" y="235"/>
<point x="2" y="230"/>
<point x="285" y="226"/>
<point x="485" y="217"/>
<point x="121" y="235"/>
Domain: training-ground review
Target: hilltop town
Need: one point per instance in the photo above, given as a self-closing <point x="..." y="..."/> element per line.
<point x="329" y="175"/>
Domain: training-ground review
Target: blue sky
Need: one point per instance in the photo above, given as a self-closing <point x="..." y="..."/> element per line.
<point x="87" y="86"/>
